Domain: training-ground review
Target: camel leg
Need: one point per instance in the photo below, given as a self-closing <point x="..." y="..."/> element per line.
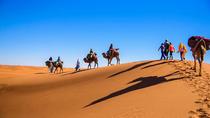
<point x="62" y="70"/>
<point x="52" y="68"/>
<point x="95" y="65"/>
<point x="108" y="62"/>
<point x="195" y="65"/>
<point x="200" y="62"/>
<point x="89" y="66"/>
<point x="118" y="60"/>
<point x="55" y="69"/>
<point x="194" y="62"/>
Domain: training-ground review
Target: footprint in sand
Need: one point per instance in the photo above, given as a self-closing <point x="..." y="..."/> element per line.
<point x="193" y="114"/>
<point x="202" y="113"/>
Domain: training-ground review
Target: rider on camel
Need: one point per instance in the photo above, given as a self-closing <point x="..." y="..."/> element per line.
<point x="50" y="59"/>
<point x="90" y="54"/>
<point x="110" y="49"/>
<point x="58" y="60"/>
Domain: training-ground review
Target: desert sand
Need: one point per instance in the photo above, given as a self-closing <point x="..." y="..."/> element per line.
<point x="148" y="89"/>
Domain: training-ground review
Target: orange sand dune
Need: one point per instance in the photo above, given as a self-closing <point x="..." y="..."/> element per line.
<point x="149" y="89"/>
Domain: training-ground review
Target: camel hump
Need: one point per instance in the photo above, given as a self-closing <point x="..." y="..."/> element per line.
<point x="193" y="40"/>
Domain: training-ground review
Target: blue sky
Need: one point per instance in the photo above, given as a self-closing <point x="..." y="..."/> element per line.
<point x="33" y="30"/>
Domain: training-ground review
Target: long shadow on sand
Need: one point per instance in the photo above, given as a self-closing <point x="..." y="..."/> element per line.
<point x="143" y="82"/>
<point x="154" y="65"/>
<point x="40" y="73"/>
<point x="131" y="68"/>
<point x="137" y="66"/>
<point x="75" y="72"/>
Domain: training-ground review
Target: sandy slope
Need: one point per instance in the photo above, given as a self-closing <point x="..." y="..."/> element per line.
<point x="150" y="89"/>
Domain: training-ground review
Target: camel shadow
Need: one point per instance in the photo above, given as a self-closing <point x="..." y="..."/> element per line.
<point x="154" y="65"/>
<point x="141" y="83"/>
<point x="137" y="66"/>
<point x="131" y="68"/>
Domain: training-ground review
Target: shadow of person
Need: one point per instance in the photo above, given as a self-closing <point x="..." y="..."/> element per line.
<point x="75" y="72"/>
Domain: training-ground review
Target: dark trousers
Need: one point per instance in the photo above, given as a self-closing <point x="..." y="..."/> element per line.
<point x="162" y="56"/>
<point x="171" y="55"/>
<point x="166" y="54"/>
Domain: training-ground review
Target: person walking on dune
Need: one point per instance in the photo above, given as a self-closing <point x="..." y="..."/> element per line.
<point x="166" y="51"/>
<point x="171" y="50"/>
<point x="77" y="68"/>
<point x="182" y="50"/>
<point x="162" y="48"/>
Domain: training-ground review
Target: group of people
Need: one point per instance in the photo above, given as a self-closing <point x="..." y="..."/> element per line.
<point x="167" y="50"/>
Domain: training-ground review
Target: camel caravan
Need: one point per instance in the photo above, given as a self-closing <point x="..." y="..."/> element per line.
<point x="91" y="57"/>
<point x="199" y="45"/>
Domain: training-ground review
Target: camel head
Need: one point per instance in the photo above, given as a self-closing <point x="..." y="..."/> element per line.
<point x="85" y="60"/>
<point x="47" y="63"/>
<point x="104" y="55"/>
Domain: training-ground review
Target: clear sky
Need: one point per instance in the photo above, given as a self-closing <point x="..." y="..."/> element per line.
<point x="33" y="30"/>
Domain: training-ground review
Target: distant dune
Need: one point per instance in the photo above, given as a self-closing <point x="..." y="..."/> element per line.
<point x="148" y="89"/>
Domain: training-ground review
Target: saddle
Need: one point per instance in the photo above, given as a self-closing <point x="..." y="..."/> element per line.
<point x="58" y="63"/>
<point x="110" y="52"/>
<point x="198" y="40"/>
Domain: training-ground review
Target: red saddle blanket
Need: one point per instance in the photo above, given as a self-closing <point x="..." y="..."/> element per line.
<point x="192" y="41"/>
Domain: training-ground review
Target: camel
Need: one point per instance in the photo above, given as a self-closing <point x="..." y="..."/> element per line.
<point x="90" y="60"/>
<point x="52" y="65"/>
<point x="114" y="54"/>
<point x="199" y="46"/>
